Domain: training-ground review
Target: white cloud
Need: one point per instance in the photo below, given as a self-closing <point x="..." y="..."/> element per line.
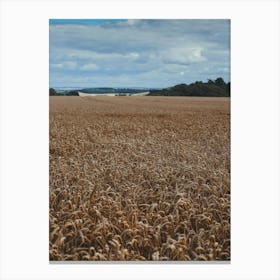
<point x="131" y="22"/>
<point x="89" y="67"/>
<point x="64" y="65"/>
<point x="183" y="55"/>
<point x="57" y="65"/>
<point x="70" y="65"/>
<point x="133" y="55"/>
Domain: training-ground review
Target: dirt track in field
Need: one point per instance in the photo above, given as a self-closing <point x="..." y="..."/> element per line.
<point x="139" y="178"/>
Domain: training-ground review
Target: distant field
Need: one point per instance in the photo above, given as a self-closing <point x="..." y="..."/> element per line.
<point x="139" y="178"/>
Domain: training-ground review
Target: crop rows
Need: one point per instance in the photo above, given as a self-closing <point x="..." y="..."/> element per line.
<point x="139" y="178"/>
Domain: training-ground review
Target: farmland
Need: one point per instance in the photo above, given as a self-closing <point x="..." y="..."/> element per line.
<point x="139" y="178"/>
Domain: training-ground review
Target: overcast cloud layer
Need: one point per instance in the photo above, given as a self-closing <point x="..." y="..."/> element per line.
<point x="138" y="53"/>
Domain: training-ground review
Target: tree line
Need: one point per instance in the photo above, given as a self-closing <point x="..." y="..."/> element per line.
<point x="213" y="88"/>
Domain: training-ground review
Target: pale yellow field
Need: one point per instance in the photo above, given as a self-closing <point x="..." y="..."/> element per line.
<point x="139" y="178"/>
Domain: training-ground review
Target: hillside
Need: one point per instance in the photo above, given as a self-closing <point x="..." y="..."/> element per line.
<point x="217" y="88"/>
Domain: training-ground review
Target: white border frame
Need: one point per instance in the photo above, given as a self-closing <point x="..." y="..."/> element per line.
<point x="254" y="125"/>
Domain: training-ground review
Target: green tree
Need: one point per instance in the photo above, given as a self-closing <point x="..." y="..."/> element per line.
<point x="228" y="87"/>
<point x="52" y="92"/>
<point x="220" y="81"/>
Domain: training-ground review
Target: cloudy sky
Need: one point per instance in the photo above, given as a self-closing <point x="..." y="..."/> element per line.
<point x="137" y="53"/>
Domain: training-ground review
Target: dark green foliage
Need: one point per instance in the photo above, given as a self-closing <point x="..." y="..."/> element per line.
<point x="217" y="88"/>
<point x="52" y="92"/>
<point x="72" y="93"/>
<point x="228" y="86"/>
<point x="219" y="82"/>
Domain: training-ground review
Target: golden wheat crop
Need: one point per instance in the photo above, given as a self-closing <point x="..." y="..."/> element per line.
<point x="139" y="178"/>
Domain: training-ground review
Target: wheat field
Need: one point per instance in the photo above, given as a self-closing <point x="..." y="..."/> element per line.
<point x="139" y="178"/>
